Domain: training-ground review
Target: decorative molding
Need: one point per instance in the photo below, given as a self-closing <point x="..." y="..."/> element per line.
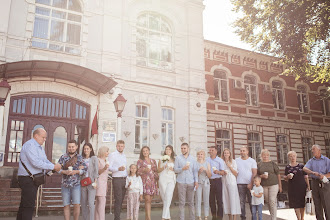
<point x="155" y="136"/>
<point x="127" y="133"/>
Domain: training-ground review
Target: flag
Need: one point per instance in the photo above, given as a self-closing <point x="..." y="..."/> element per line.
<point x="95" y="124"/>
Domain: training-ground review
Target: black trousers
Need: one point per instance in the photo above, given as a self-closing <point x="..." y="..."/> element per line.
<point x="28" y="198"/>
<point x="321" y="194"/>
<point x="216" y="198"/>
<point x="119" y="191"/>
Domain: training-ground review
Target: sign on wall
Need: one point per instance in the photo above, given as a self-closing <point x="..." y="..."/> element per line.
<point x="109" y="137"/>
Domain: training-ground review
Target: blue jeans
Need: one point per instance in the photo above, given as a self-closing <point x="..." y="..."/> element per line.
<point x="244" y="193"/>
<point x="71" y="194"/>
<point x="255" y="209"/>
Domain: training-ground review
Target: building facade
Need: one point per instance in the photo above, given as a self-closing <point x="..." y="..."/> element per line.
<point x="251" y="104"/>
<point x="67" y="60"/>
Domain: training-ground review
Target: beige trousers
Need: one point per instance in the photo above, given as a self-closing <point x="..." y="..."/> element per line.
<point x="270" y="193"/>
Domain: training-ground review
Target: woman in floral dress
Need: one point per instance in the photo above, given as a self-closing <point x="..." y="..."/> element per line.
<point x="147" y="169"/>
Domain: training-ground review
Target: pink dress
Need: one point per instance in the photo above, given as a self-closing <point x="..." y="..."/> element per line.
<point x="101" y="192"/>
<point x="149" y="179"/>
<point x="102" y="183"/>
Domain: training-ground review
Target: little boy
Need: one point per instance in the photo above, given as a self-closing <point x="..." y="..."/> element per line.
<point x="257" y="198"/>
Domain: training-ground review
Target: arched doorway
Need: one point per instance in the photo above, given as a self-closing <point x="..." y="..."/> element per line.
<point x="63" y="118"/>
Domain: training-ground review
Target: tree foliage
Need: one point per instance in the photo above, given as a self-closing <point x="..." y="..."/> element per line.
<point x="295" y="31"/>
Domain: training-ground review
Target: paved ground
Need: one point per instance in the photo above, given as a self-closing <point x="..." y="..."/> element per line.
<point x="156" y="215"/>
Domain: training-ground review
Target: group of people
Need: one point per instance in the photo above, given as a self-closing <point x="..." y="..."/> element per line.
<point x="223" y="185"/>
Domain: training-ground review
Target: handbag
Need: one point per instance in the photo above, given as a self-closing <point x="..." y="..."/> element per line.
<point x="71" y="162"/>
<point x="86" y="181"/>
<point x="38" y="179"/>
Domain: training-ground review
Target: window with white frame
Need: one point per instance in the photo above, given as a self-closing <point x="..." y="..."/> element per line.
<point x="282" y="149"/>
<point x="220" y="85"/>
<point x="167" y="127"/>
<point x="141" y="126"/>
<point x="278" y="95"/>
<point x="223" y="140"/>
<point x="327" y="147"/>
<point x="254" y="145"/>
<point x="251" y="95"/>
<point x="302" y="99"/>
<point x="57" y="25"/>
<point x="154" y="41"/>
<point x="325" y="102"/>
<point x="307" y="144"/>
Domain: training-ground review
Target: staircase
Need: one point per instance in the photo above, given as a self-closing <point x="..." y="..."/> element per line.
<point x="51" y="200"/>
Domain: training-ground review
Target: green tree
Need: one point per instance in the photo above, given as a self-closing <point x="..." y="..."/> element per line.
<point x="295" y="31"/>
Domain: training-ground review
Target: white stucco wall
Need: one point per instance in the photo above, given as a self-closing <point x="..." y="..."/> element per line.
<point x="108" y="46"/>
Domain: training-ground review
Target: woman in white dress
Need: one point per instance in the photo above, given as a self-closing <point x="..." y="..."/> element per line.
<point x="230" y="197"/>
<point x="203" y="190"/>
<point x="167" y="180"/>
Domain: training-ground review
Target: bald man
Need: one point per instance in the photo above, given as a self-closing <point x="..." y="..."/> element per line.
<point x="35" y="160"/>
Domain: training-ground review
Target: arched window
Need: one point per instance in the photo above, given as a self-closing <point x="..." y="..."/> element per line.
<point x="220" y="85"/>
<point x="223" y="140"/>
<point x="250" y="85"/>
<point x="302" y="99"/>
<point x="141" y="126"/>
<point x="325" y="102"/>
<point x="154" y="41"/>
<point x="57" y="25"/>
<point x="167" y="127"/>
<point x="282" y="144"/>
<point x="307" y="144"/>
<point x="254" y="143"/>
<point x="278" y="95"/>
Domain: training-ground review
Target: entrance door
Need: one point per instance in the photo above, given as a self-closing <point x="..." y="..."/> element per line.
<point x="63" y="119"/>
<point x="59" y="135"/>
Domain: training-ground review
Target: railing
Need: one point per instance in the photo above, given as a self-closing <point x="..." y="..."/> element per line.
<point x="39" y="200"/>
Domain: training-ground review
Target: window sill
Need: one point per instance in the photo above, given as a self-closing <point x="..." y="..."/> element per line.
<point x="222" y="102"/>
<point x="158" y="69"/>
<point x="56" y="51"/>
<point x="137" y="151"/>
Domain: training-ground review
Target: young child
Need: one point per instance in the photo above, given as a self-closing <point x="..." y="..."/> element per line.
<point x="135" y="191"/>
<point x="257" y="198"/>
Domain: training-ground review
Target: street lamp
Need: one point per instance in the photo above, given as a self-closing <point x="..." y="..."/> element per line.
<point x="4" y="91"/>
<point x="119" y="103"/>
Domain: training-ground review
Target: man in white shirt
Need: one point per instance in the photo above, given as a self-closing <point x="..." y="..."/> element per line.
<point x="247" y="170"/>
<point x="117" y="165"/>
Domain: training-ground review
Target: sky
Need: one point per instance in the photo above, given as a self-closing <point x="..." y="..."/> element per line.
<point x="218" y="16"/>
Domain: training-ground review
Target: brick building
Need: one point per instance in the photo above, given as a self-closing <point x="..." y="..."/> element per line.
<point x="251" y="104"/>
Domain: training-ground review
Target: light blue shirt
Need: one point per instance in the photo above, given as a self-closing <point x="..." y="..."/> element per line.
<point x="186" y="176"/>
<point x="218" y="163"/>
<point x="321" y="165"/>
<point x="34" y="158"/>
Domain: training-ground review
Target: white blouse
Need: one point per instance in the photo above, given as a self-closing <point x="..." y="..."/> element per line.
<point x="136" y="184"/>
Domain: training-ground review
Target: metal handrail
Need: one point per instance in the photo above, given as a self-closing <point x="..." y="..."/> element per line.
<point x="39" y="200"/>
<point x="110" y="196"/>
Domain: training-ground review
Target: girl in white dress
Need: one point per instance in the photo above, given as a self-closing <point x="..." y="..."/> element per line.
<point x="167" y="180"/>
<point x="230" y="197"/>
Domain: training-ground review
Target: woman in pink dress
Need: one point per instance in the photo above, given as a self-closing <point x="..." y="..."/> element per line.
<point x="102" y="184"/>
<point x="147" y="169"/>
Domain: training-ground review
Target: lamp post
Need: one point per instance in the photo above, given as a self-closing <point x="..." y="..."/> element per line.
<point x="4" y="91"/>
<point x="119" y="103"/>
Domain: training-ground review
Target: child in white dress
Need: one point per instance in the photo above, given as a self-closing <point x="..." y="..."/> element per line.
<point x="135" y="191"/>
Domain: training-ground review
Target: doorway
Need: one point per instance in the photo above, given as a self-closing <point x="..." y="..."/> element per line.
<point x="63" y="118"/>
